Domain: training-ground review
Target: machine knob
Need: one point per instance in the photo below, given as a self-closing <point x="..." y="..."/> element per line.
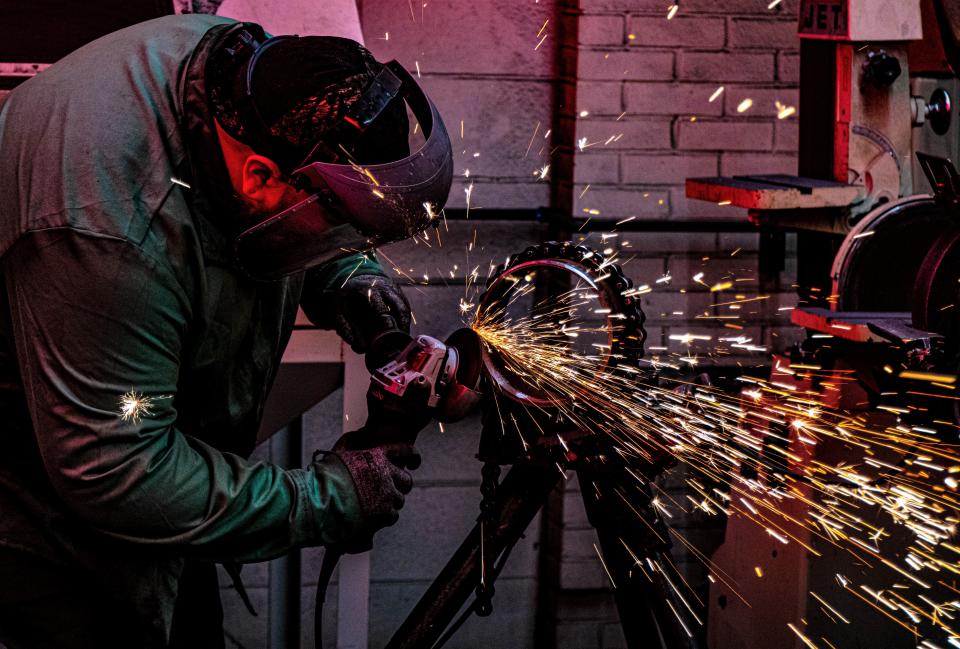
<point x="939" y="111"/>
<point x="881" y="69"/>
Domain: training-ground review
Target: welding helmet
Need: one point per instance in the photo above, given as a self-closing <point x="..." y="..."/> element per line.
<point x="351" y="207"/>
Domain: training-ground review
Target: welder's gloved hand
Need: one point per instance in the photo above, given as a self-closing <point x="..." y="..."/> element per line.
<point x="368" y="305"/>
<point x="381" y="479"/>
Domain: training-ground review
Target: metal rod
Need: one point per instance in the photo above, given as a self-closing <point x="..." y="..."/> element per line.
<point x="522" y="493"/>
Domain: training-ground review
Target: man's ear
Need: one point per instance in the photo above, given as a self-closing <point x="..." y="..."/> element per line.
<point x="261" y="181"/>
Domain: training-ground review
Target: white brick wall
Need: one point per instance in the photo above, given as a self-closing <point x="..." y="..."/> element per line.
<point x="652" y="76"/>
<point x="668" y="69"/>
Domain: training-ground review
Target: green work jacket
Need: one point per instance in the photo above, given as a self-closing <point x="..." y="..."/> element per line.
<point x="116" y="231"/>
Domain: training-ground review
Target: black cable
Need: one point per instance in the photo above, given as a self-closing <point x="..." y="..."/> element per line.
<point x="330" y="558"/>
<point x="455" y="626"/>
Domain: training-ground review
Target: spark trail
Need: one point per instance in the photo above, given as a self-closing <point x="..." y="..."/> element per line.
<point x="754" y="455"/>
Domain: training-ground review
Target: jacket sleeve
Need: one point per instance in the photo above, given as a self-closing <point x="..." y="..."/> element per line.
<point x="93" y="320"/>
<point x="321" y="284"/>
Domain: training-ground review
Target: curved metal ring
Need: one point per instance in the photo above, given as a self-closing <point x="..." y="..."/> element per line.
<point x="606" y="279"/>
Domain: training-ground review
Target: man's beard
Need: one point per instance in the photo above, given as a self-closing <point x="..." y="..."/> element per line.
<point x="249" y="214"/>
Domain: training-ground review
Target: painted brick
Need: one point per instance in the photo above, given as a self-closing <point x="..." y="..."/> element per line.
<point x="788" y="67"/>
<point x="642" y="270"/>
<point x="725" y="66"/>
<point x="787" y="134"/>
<point x="404" y="553"/>
<point x="591" y="6"/>
<point x="667" y="169"/>
<point x="601" y="30"/>
<point x="499" y="117"/>
<point x="728" y="7"/>
<point x="597" y="168"/>
<point x="577" y="634"/>
<point x="611" y="636"/>
<point x="696" y="347"/>
<point x="723" y="136"/>
<point x="682" y="31"/>
<point x="774" y="34"/>
<point x="308" y="598"/>
<point x="740" y="164"/>
<point x="322" y="424"/>
<point x="587" y="607"/>
<point x="587" y="574"/>
<point x="600" y="97"/>
<point x="429" y="36"/>
<point x="658" y="7"/>
<point x="492" y="241"/>
<point x="770" y="308"/>
<point x="657" y="244"/>
<point x="668" y="306"/>
<point x="670" y="99"/>
<point x="254" y="575"/>
<point x="574" y="514"/>
<point x="689" y="208"/>
<point x="634" y="66"/>
<point x="649" y="133"/>
<point x="656" y="337"/>
<point x="742" y="270"/>
<point x="578" y="545"/>
<point x="504" y="195"/>
<point x="512" y="626"/>
<point x="618" y="203"/>
<point x="744" y="241"/>
<point x="764" y="100"/>
<point x="243" y="629"/>
<point x="437" y="311"/>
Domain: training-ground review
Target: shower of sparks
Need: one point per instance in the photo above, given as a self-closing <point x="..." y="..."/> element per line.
<point x="135" y="406"/>
<point x="672" y="11"/>
<point x="744" y="105"/>
<point x="752" y="455"/>
<point x="532" y="137"/>
<point x="468" y="191"/>
<point x="540" y="42"/>
<point x="773" y="4"/>
<point x="784" y="111"/>
<point x="543" y="28"/>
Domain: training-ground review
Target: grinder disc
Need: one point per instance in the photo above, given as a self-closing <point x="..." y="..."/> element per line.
<point x="613" y="321"/>
<point x="878" y="262"/>
<point x="936" y="291"/>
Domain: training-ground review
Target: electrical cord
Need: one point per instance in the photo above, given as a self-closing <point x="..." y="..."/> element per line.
<point x="331" y="557"/>
<point x="455" y="626"/>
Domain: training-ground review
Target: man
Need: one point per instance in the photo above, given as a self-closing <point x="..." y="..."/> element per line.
<point x="169" y="195"/>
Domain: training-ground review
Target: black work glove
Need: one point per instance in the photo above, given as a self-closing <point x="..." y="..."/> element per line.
<point x="381" y="479"/>
<point x="368" y="305"/>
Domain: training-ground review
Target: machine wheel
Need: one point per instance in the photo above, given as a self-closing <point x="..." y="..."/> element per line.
<point x="936" y="291"/>
<point x="625" y="332"/>
<point x="877" y="264"/>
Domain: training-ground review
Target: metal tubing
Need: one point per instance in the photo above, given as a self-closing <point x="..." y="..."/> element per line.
<point x="520" y="496"/>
